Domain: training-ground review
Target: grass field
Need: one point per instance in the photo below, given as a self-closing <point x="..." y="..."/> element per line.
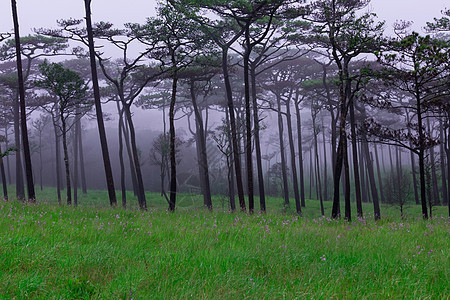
<point x="50" y="251"/>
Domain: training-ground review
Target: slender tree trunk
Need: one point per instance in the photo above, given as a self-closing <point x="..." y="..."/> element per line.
<point x="66" y="162"/>
<point x="81" y="152"/>
<point x="57" y="158"/>
<point x="75" y="161"/>
<point x="140" y="183"/>
<point x="126" y="134"/>
<point x="201" y="145"/>
<point x="364" y="185"/>
<point x="421" y="158"/>
<point x="173" y="161"/>
<point x="262" y="193"/>
<point x="23" y="114"/>
<point x="230" y="165"/>
<point x="237" y="163"/>
<point x="316" y="149"/>
<point x="123" y="187"/>
<point x="7" y="157"/>
<point x="248" y="125"/>
<point x="371" y="173"/>
<point x="2" y="170"/>
<point x="311" y="182"/>
<point x="300" y="152"/>
<point x="434" y="178"/>
<point x="298" y="206"/>
<point x="443" y="162"/>
<point x="355" y="159"/>
<point x="20" y="188"/>
<point x="325" y="167"/>
<point x="380" y="182"/>
<point x="98" y="108"/>
<point x="282" y="153"/>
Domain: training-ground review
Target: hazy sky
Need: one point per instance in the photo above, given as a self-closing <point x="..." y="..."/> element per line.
<point x="44" y="13"/>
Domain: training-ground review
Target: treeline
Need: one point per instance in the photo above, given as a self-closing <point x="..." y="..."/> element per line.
<point x="344" y="95"/>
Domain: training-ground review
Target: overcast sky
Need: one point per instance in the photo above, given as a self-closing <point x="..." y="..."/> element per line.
<point x="44" y="13"/>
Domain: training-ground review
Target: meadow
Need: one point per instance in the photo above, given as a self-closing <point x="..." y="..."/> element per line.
<point x="51" y="251"/>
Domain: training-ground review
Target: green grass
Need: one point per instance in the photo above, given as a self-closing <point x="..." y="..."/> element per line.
<point x="50" y="251"/>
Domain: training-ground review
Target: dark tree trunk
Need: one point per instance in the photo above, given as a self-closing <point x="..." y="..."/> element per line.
<point x="173" y="161"/>
<point x="380" y="182"/>
<point x="2" y="170"/>
<point x="371" y="173"/>
<point x="283" y="159"/>
<point x="140" y="183"/>
<point x="7" y="157"/>
<point x="300" y="152"/>
<point x="23" y="114"/>
<point x="202" y="156"/>
<point x="123" y="187"/>
<point x="230" y="166"/>
<point x="443" y="162"/>
<point x="363" y="173"/>
<point x="316" y="150"/>
<point x="262" y="193"/>
<point x="98" y="108"/>
<point x="234" y="138"/>
<point x="298" y="206"/>
<point x="57" y="158"/>
<point x="126" y="134"/>
<point x="20" y="188"/>
<point x="355" y="159"/>
<point x="398" y="173"/>
<point x="325" y="167"/>
<point x="75" y="161"/>
<point x="421" y="158"/>
<point x="81" y="152"/>
<point x="311" y="181"/>
<point x="434" y="178"/>
<point x="66" y="161"/>
<point x="248" y="125"/>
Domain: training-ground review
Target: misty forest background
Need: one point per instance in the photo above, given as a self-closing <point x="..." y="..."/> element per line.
<point x="291" y="99"/>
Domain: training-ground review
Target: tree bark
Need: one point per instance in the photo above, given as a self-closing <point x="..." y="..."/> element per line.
<point x="66" y="161"/>
<point x="300" y="153"/>
<point x="298" y="206"/>
<point x="283" y="159"/>
<point x="121" y="163"/>
<point x="2" y="170"/>
<point x="81" y="152"/>
<point x="202" y="155"/>
<point x="234" y="139"/>
<point x="355" y="159"/>
<point x="98" y="108"/>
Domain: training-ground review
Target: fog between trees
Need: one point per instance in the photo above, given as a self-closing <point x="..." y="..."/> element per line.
<point x="257" y="98"/>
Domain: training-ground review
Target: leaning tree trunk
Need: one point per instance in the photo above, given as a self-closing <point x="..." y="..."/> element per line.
<point x="98" y="108"/>
<point x="373" y="185"/>
<point x="140" y="183"/>
<point x="126" y="135"/>
<point x="230" y="165"/>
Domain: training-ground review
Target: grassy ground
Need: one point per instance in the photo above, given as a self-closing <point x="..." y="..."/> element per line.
<point x="50" y="251"/>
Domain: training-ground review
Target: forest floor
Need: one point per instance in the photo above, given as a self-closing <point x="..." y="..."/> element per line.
<point x="91" y="251"/>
